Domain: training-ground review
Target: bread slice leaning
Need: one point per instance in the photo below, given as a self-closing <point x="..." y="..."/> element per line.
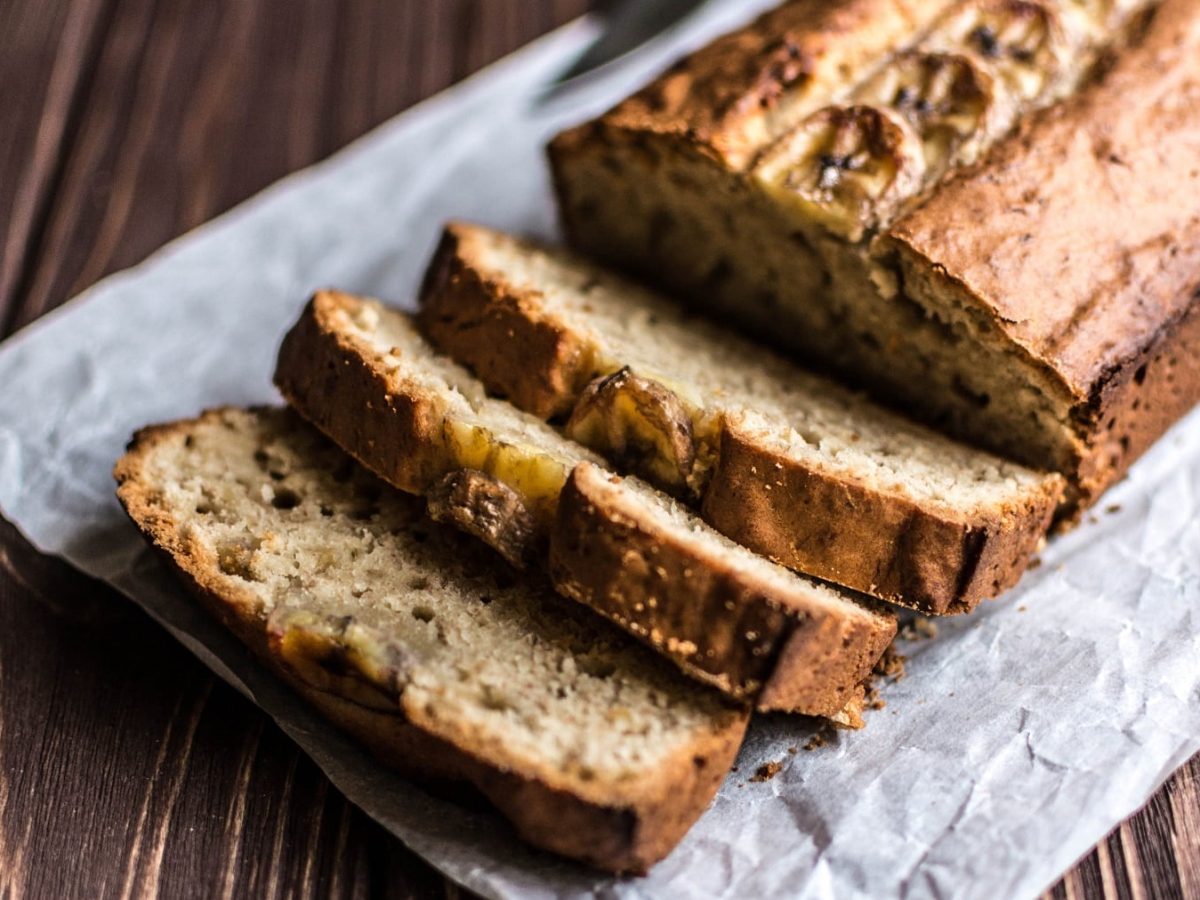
<point x="363" y="375"/>
<point x="782" y="461"/>
<point x="726" y="615"/>
<point x="425" y="649"/>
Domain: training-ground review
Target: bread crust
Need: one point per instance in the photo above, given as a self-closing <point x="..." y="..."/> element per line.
<point x="477" y="320"/>
<point x="730" y="98"/>
<point x="919" y="554"/>
<point x="322" y="374"/>
<point x="1100" y="198"/>
<point x="915" y="554"/>
<point x="629" y="830"/>
<point x="721" y="624"/>
<point x="558" y="363"/>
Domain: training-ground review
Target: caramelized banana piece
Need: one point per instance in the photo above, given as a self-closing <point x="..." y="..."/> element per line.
<point x="536" y="476"/>
<point x="949" y="99"/>
<point x="847" y="167"/>
<point x="1022" y="41"/>
<point x="638" y="424"/>
<point x="490" y="510"/>
<point x="340" y="656"/>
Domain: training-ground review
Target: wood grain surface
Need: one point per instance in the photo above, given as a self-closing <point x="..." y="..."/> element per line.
<point x="126" y="768"/>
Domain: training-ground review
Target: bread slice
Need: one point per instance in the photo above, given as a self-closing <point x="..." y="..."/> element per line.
<point x="381" y="364"/>
<point x="726" y="615"/>
<point x="434" y="656"/>
<point x="786" y="463"/>
<point x="366" y="377"/>
<point x="1029" y="289"/>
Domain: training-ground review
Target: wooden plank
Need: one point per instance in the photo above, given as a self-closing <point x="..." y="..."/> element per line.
<point x="49" y="48"/>
<point x="193" y="106"/>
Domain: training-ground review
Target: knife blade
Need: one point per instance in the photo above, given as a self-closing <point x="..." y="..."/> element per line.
<point x="628" y="25"/>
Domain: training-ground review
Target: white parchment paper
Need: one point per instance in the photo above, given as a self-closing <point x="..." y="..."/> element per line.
<point x="1019" y="738"/>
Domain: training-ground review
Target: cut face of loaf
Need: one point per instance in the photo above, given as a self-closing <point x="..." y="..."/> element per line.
<point x="799" y="204"/>
<point x="366" y="378"/>
<point x="425" y="649"/>
<point x="785" y="463"/>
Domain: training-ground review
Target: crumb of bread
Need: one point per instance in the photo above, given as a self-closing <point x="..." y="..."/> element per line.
<point x="766" y="772"/>
<point x="919" y="629"/>
<point x="891" y="665"/>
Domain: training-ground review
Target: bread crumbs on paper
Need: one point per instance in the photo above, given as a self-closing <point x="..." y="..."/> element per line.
<point x="891" y="665"/>
<point x="919" y="629"/>
<point x="766" y="772"/>
<point x="816" y="742"/>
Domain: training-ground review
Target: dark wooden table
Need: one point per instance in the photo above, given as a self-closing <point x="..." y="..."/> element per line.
<point x="127" y="769"/>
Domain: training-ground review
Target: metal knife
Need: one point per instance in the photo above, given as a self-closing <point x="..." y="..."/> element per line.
<point x="628" y="25"/>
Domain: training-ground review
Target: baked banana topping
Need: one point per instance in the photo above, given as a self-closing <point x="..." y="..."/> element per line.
<point x="489" y="509"/>
<point x="639" y="423"/>
<point x="336" y="654"/>
<point x="1022" y="41"/>
<point x="846" y="167"/>
<point x="950" y="100"/>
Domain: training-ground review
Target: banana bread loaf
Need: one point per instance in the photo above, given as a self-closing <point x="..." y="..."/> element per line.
<point x="985" y="211"/>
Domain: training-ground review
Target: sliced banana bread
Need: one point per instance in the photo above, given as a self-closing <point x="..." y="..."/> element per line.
<point x="359" y="371"/>
<point x="725" y="614"/>
<point x="786" y="463"/>
<point x="881" y="187"/>
<point x="433" y="655"/>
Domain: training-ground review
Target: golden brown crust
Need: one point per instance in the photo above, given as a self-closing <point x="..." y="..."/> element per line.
<point x="730" y="98"/>
<point x="1087" y="260"/>
<point x="324" y="376"/>
<point x="555" y="366"/>
<point x="911" y="553"/>
<point x="1138" y="403"/>
<point x="628" y="834"/>
<point x="1091" y="254"/>
<point x="722" y="624"/>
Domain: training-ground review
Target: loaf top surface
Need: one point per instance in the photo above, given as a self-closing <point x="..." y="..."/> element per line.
<point x="1075" y="240"/>
<point x="746" y="88"/>
<point x="307" y="549"/>
<point x="1079" y="238"/>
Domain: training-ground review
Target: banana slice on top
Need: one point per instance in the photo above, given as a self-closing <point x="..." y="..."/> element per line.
<point x="950" y="100"/>
<point x="847" y="167"/>
<point x="1022" y="41"/>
